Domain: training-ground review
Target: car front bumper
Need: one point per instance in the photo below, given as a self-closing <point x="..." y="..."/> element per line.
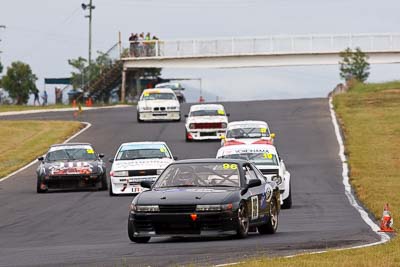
<point x="129" y="185"/>
<point x="71" y="181"/>
<point x="159" y="115"/>
<point x="182" y="224"/>
<point x="205" y="134"/>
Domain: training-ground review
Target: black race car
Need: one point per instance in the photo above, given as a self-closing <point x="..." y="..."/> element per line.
<point x="71" y="166"/>
<point x="205" y="197"/>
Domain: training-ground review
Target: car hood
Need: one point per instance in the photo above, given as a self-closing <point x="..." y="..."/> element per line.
<point x="158" y="103"/>
<point x="141" y="164"/>
<point x="72" y="167"/>
<point x="192" y="195"/>
<point x="202" y="119"/>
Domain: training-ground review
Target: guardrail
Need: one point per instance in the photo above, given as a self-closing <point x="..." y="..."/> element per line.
<point x="279" y="44"/>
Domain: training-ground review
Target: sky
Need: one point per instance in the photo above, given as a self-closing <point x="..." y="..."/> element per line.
<point x="46" y="33"/>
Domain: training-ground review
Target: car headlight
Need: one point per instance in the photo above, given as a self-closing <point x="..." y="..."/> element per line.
<point x="172" y="108"/>
<point x="144" y="108"/>
<point x="277" y="179"/>
<point x="191" y="126"/>
<point x="223" y="125"/>
<point x="214" y="207"/>
<point x="144" y="208"/>
<point x="159" y="172"/>
<point x="121" y="174"/>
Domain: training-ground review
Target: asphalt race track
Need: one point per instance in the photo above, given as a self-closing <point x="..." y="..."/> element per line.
<point x="90" y="228"/>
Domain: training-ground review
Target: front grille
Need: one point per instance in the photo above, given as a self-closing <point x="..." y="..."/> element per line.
<point x="177" y="208"/>
<point x="159" y="109"/>
<point x="142" y="172"/>
<point x="208" y="134"/>
<point x="208" y="125"/>
<point x="188" y="228"/>
<point x="270" y="171"/>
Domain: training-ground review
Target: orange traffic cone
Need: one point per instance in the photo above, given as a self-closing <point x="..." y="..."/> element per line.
<point x="90" y="102"/>
<point x="74" y="103"/>
<point x="386" y="222"/>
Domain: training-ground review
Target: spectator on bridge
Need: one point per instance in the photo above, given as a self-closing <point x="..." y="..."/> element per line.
<point x="133" y="44"/>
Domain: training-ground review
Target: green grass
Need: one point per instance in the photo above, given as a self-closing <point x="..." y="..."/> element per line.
<point x="23" y="141"/>
<point x="370" y="119"/>
<point x="5" y="108"/>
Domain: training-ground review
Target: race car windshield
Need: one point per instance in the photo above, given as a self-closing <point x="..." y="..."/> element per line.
<point x="256" y="158"/>
<point x="207" y="112"/>
<point x="71" y="154"/>
<point x="253" y="132"/>
<point x="158" y="96"/>
<point x="200" y="175"/>
<point x="148" y="153"/>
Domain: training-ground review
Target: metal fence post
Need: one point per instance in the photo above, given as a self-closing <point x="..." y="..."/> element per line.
<point x="233" y="45"/>
<point x="157" y="47"/>
<point x="194" y="47"/>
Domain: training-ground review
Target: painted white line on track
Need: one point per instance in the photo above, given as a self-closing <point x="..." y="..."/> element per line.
<point x="34" y="111"/>
<point x="349" y="194"/>
<point x="88" y="125"/>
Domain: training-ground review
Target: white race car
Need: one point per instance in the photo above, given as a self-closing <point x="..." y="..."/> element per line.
<point x="136" y="162"/>
<point x="268" y="161"/>
<point x="247" y="132"/>
<point x="158" y="104"/>
<point x="206" y="121"/>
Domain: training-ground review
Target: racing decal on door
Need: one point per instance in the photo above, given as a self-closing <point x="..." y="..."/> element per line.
<point x="254" y="207"/>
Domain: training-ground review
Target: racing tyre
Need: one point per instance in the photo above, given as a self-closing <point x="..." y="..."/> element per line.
<point x="133" y="238"/>
<point x="110" y="190"/>
<point x="138" y="117"/>
<point x="243" y="222"/>
<point x="104" y="185"/>
<point x="272" y="225"/>
<point x="287" y="203"/>
<point x="39" y="190"/>
<point x="186" y="137"/>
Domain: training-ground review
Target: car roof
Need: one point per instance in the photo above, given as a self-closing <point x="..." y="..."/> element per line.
<point x="206" y="107"/>
<point x="144" y="143"/>
<point x="159" y="90"/>
<point x="211" y="160"/>
<point x="239" y="123"/>
<point x="268" y="147"/>
<point x="72" y="144"/>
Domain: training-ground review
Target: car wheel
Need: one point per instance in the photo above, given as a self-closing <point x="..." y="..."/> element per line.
<point x="110" y="190"/>
<point x="104" y="185"/>
<point x="287" y="203"/>
<point x="243" y="222"/>
<point x="138" y="117"/>
<point x="186" y="137"/>
<point x="272" y="225"/>
<point x="39" y="189"/>
<point x="134" y="238"/>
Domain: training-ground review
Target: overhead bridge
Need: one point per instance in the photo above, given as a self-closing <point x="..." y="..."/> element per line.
<point x="266" y="51"/>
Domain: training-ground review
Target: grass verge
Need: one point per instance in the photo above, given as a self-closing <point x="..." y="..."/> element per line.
<point x="370" y="119"/>
<point x="6" y="108"/>
<point x="23" y="141"/>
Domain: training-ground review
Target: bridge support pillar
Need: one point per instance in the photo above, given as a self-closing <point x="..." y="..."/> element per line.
<point x="123" y="86"/>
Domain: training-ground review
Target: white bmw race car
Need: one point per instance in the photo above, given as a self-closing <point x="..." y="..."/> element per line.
<point x="206" y="122"/>
<point x="158" y="104"/>
<point x="136" y="162"/>
<point x="268" y="161"/>
<point x="247" y="132"/>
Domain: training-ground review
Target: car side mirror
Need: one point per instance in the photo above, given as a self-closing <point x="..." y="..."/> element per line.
<point x="40" y="158"/>
<point x="253" y="183"/>
<point x="146" y="184"/>
<point x="111" y="160"/>
<point x="175" y="158"/>
<point x="186" y="116"/>
<point x="272" y="135"/>
<point x="101" y="155"/>
<point x="228" y="114"/>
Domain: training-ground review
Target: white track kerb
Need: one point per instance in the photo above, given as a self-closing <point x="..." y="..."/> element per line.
<point x="87" y="126"/>
<point x="349" y="194"/>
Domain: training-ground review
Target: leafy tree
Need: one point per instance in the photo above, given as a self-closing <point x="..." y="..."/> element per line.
<point x="19" y="82"/>
<point x="354" y="65"/>
<point x="78" y="78"/>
